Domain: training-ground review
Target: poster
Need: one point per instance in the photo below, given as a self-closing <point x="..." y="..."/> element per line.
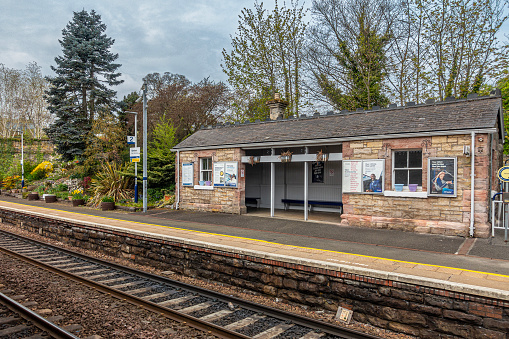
<point x="187" y="174"/>
<point x="218" y="173"/>
<point x="226" y="174"/>
<point x="317" y="170"/>
<point x="352" y="176"/>
<point x="230" y="174"/>
<point x="442" y="177"/>
<point x="373" y="176"/>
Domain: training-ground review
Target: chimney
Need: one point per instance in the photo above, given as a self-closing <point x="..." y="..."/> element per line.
<point x="277" y="107"/>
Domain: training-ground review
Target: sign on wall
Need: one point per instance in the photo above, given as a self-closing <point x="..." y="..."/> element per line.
<point x="363" y="176"/>
<point x="317" y="170"/>
<point x="442" y="177"/>
<point x="187" y="174"/>
<point x="226" y="174"/>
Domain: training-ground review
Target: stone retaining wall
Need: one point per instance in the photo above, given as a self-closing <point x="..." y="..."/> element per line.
<point x="423" y="311"/>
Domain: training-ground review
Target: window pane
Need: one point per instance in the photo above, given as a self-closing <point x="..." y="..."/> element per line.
<point x="415" y="159"/>
<point x="206" y="163"/>
<point x="415" y="177"/>
<point x="401" y="177"/>
<point x="207" y="176"/>
<point x="400" y="159"/>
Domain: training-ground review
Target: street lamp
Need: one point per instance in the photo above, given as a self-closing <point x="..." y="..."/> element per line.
<point x="135" y="164"/>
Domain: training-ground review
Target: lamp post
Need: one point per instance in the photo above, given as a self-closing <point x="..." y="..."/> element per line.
<point x="145" y="147"/>
<point x="135" y="164"/>
<point x="22" y="165"/>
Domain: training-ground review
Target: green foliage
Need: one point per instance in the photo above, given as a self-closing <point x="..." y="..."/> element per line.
<point x="160" y="158"/>
<point x="503" y="84"/>
<point x="78" y="92"/>
<point x="107" y="199"/>
<point x="111" y="182"/>
<point x="266" y="57"/>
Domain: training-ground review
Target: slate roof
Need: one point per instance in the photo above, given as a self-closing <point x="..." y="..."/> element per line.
<point x="463" y="114"/>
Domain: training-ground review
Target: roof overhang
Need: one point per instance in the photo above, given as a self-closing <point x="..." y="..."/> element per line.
<point x="334" y="141"/>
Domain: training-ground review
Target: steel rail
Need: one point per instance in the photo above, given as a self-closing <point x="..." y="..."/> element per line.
<point x="41" y="323"/>
<point x="295" y="318"/>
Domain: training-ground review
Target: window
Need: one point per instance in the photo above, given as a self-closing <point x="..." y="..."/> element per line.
<point x="206" y="169"/>
<point x="407" y="167"/>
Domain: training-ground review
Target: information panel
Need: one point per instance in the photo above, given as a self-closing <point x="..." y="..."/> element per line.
<point x="442" y="177"/>
<point x="226" y="174"/>
<point x="352" y="176"/>
<point x="187" y="174"/>
<point x="363" y="176"/>
<point x="317" y="172"/>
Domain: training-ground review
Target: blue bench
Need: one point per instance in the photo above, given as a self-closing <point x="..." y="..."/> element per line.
<point x="312" y="203"/>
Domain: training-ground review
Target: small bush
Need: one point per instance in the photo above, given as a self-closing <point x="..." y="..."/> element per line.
<point x="10" y="182"/>
<point x="42" y="170"/>
<point x="107" y="199"/>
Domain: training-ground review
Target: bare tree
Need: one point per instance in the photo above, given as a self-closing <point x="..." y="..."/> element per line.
<point x="22" y="103"/>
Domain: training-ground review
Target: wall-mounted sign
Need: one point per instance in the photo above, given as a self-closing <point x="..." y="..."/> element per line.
<point x="442" y="177"/>
<point x="225" y="174"/>
<point x="317" y="170"/>
<point x="187" y="174"/>
<point x="363" y="176"/>
<point x="503" y="174"/>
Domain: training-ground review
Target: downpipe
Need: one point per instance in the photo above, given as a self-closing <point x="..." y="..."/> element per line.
<point x="472" y="185"/>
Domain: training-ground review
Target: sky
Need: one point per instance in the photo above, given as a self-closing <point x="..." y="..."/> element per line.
<point x="183" y="37"/>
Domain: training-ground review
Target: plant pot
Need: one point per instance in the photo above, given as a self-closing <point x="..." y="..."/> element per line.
<point x="202" y="183"/>
<point x="286" y="158"/>
<point x="107" y="206"/>
<point x="50" y="198"/>
<point x="208" y="183"/>
<point x="398" y="187"/>
<point x="33" y="196"/>
<point x="78" y="202"/>
<point x="412" y="187"/>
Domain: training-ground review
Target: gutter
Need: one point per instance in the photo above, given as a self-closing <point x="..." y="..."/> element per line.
<point x="472" y="186"/>
<point x="178" y="181"/>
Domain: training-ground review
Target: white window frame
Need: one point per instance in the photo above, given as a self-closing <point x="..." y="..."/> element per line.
<point x="206" y="170"/>
<point x="405" y="168"/>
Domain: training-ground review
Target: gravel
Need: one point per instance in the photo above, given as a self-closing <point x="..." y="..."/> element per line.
<point x="108" y="317"/>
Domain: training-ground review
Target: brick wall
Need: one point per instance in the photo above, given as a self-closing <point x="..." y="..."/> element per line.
<point x="442" y="215"/>
<point x="220" y="199"/>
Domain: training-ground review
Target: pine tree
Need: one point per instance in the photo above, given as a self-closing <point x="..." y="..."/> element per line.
<point x="79" y="90"/>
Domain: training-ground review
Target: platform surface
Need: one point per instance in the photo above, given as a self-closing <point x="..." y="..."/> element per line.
<point x="479" y="266"/>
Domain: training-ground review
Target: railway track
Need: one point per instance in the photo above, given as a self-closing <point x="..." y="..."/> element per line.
<point x="218" y="314"/>
<point x="18" y="321"/>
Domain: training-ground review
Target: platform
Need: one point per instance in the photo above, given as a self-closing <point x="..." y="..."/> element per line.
<point x="475" y="266"/>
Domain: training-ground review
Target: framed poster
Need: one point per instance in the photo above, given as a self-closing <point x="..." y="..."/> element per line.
<point x="373" y="176"/>
<point x="317" y="170"/>
<point x="187" y="174"/>
<point x="230" y="174"/>
<point x="442" y="177"/>
<point x="363" y="176"/>
<point x="352" y="176"/>
<point x="226" y="174"/>
<point x="218" y="173"/>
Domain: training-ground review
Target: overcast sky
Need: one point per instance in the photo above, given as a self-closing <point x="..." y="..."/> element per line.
<point x="184" y="37"/>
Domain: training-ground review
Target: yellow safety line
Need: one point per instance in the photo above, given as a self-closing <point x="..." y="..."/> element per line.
<point x="273" y="243"/>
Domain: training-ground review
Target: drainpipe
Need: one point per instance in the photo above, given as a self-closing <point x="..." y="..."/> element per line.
<point x="178" y="181"/>
<point x="472" y="185"/>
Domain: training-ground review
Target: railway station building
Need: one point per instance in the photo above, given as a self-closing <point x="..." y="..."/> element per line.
<point x="427" y="168"/>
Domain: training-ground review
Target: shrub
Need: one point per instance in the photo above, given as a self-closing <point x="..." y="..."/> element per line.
<point x="107" y="199"/>
<point x="10" y="182"/>
<point x="110" y="182"/>
<point x="62" y="187"/>
<point x="77" y="194"/>
<point x="42" y="170"/>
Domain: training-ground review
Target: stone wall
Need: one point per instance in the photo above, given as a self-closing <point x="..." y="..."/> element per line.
<point x="427" y="310"/>
<point x="441" y="215"/>
<point x="219" y="199"/>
